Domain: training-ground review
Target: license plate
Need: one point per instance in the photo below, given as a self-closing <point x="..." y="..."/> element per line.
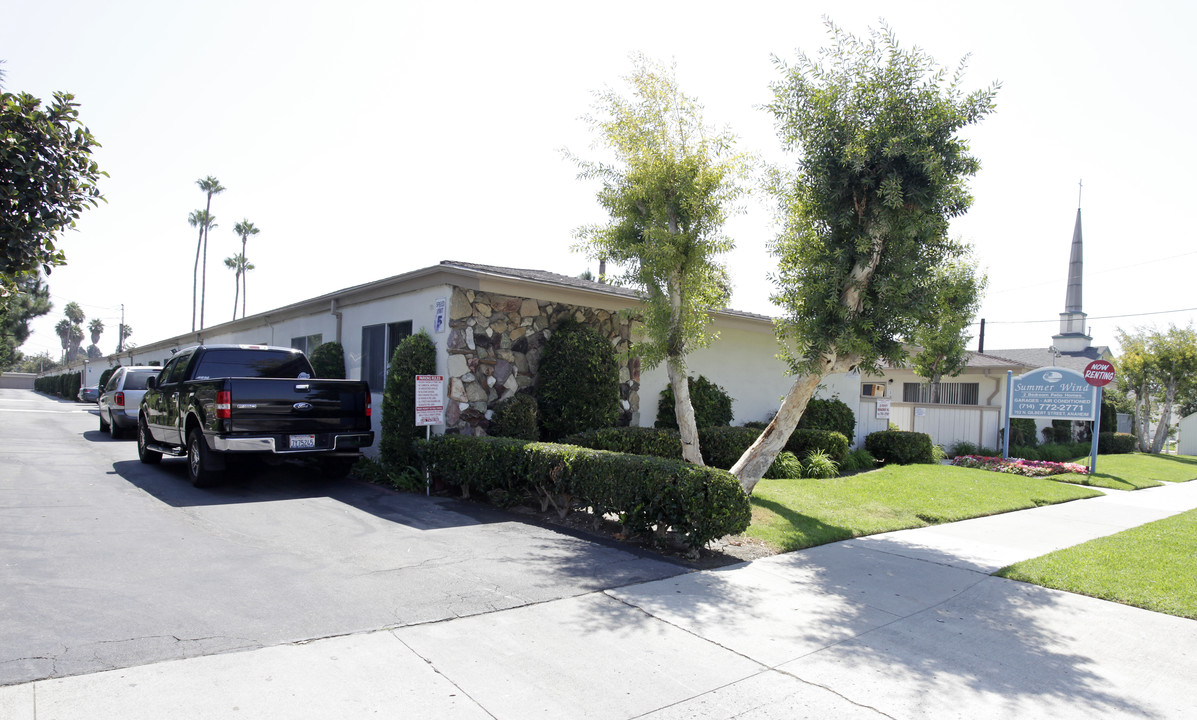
<point x="301" y="442"/>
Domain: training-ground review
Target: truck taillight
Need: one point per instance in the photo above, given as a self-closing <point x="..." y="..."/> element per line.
<point x="119" y="399"/>
<point x="367" y="404"/>
<point x="224" y="405"/>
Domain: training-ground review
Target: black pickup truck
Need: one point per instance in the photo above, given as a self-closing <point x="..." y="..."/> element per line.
<point x="213" y="402"/>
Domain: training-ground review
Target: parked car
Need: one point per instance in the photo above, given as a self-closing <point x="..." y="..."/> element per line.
<point x="210" y="403"/>
<point x="88" y="394"/>
<point x="122" y="397"/>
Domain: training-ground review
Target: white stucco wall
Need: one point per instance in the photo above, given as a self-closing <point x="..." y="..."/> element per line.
<point x="1186" y="441"/>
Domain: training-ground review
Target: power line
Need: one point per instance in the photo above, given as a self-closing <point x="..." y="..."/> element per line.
<point x="1100" y="317"/>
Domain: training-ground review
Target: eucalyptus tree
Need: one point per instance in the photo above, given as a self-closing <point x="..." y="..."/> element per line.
<point x="243" y="229"/>
<point x="203" y="220"/>
<point x="238" y="264"/>
<point x="668" y="192"/>
<point x="957" y="286"/>
<point x="881" y="170"/>
<point x="211" y="186"/>
<point x="1155" y="369"/>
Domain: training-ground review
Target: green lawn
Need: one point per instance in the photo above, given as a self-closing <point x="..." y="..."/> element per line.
<point x="792" y="514"/>
<point x="1141" y="470"/>
<point x="1153" y="566"/>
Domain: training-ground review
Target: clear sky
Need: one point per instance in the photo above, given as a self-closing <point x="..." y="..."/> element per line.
<point x="367" y="139"/>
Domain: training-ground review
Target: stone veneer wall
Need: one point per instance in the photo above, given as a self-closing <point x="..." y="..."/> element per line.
<point x="495" y="343"/>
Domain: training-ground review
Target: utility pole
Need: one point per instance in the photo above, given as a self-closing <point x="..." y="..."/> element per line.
<point x="120" y="343"/>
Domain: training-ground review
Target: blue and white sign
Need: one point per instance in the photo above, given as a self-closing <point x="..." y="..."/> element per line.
<point x="1053" y="393"/>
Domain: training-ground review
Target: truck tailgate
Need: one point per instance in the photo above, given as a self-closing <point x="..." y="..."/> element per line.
<point x="284" y="406"/>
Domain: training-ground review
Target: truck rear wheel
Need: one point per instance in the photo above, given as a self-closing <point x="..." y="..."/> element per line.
<point x="147" y="456"/>
<point x="199" y="460"/>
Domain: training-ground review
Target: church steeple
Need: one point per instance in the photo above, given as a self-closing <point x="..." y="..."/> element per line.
<point x="1072" y="336"/>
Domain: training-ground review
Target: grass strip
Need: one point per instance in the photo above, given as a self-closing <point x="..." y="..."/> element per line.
<point x="1153" y="566"/>
<point x="791" y="514"/>
<point x="1141" y="469"/>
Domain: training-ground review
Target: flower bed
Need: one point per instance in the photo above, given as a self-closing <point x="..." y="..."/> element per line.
<point x="1018" y="466"/>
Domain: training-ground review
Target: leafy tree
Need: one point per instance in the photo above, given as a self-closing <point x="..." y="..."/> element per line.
<point x="203" y="220"/>
<point x="47" y="180"/>
<point x="28" y="299"/>
<point x="668" y="193"/>
<point x="244" y="229"/>
<point x="1156" y="368"/>
<point x="241" y="266"/>
<point x="211" y="186"/>
<point x="881" y="171"/>
<point x="39" y="363"/>
<point x="957" y="286"/>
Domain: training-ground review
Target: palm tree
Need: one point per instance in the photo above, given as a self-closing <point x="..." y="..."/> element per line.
<point x="244" y="228"/>
<point x="238" y="263"/>
<point x="96" y="328"/>
<point x="63" y="330"/>
<point x="203" y="220"/>
<point x="211" y="186"/>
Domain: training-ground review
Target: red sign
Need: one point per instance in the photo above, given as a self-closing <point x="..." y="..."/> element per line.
<point x="1099" y="373"/>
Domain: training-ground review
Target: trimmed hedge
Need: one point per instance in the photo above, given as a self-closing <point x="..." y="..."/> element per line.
<point x="328" y="360"/>
<point x="900" y="447"/>
<point x="516" y="417"/>
<point x="712" y="405"/>
<point x="578" y="381"/>
<point x="647" y="493"/>
<point x="830" y="414"/>
<point x="414" y="355"/>
<point x="1115" y="443"/>
<point x="64" y="385"/>
<point x="721" y="446"/>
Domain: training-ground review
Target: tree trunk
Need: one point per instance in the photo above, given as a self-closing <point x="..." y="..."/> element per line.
<point x="195" y="275"/>
<point x="236" y="293"/>
<point x="755" y="461"/>
<point x="244" y="289"/>
<point x="1142" y="418"/>
<point x="683" y="410"/>
<point x="1161" y="429"/>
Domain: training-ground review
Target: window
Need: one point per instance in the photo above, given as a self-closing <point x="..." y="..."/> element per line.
<point x="955" y="393"/>
<point x="872" y="389"/>
<point x="378" y="345"/>
<point x="252" y="364"/>
<point x="308" y="343"/>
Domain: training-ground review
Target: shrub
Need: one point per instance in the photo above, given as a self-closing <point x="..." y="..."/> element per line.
<point x="756" y="424"/>
<point x="1025" y="452"/>
<point x="832" y="414"/>
<point x="415" y="355"/>
<point x="1062" y="432"/>
<point x="1062" y="452"/>
<point x="517" y="417"/>
<point x="658" y="442"/>
<point x="578" y="382"/>
<point x="819" y="464"/>
<point x="712" y="405"/>
<point x="1111" y="443"/>
<point x="646" y="493"/>
<point x="803" y="442"/>
<point x="1022" y="432"/>
<point x="786" y="465"/>
<point x="105" y="377"/>
<point x="965" y="448"/>
<point x="900" y="447"/>
<point x="328" y="360"/>
<point x="858" y="461"/>
<point x="938" y="454"/>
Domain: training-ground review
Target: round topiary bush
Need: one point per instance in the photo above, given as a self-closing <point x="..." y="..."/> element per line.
<point x="578" y="382"/>
<point x="712" y="405"/>
<point x="517" y="417"/>
<point x="415" y="355"/>
<point x="328" y="360"/>
<point x="900" y="448"/>
<point x="829" y="414"/>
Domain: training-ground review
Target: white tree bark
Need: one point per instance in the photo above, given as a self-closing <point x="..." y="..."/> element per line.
<point x="1161" y="429"/>
<point x="683" y="410"/>
<point x="755" y="462"/>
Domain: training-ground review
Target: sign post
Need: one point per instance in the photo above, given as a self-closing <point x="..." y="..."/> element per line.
<point x="430" y="408"/>
<point x="1098" y="373"/>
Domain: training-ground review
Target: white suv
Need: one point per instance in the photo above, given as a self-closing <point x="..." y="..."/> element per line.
<point x="121" y="397"/>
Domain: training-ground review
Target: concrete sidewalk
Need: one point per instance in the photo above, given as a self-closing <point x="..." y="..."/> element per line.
<point x="903" y="625"/>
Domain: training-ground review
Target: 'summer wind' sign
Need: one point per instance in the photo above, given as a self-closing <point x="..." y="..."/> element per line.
<point x="1053" y="392"/>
